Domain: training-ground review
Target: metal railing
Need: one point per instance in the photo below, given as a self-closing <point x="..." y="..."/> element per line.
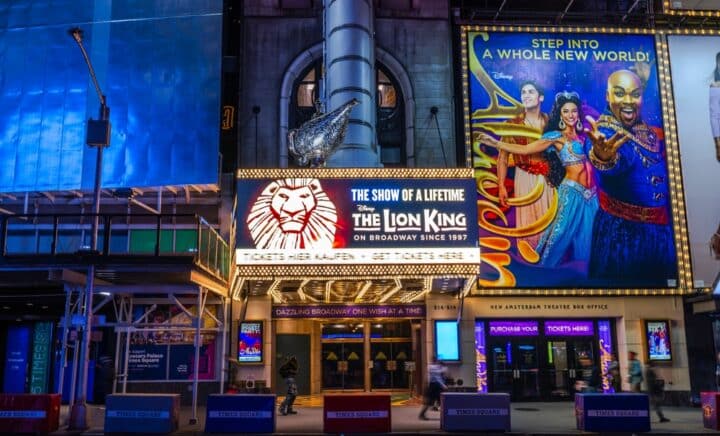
<point x="118" y="234"/>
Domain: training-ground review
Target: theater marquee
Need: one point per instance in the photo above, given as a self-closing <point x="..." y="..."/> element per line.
<point x="318" y="218"/>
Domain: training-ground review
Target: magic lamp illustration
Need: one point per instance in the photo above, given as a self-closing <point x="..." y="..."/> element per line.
<point x="315" y="140"/>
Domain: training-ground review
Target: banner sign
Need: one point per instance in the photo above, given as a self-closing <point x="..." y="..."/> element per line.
<point x="607" y="355"/>
<point x="350" y="311"/>
<point x="480" y="358"/>
<point x="16" y="359"/>
<point x="513" y="328"/>
<point x="147" y="362"/>
<point x="696" y="91"/>
<point x="170" y="362"/>
<point x="552" y="214"/>
<point x="569" y="328"/>
<point x="42" y="337"/>
<point x="305" y="221"/>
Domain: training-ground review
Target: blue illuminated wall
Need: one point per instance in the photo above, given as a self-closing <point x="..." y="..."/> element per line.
<point x="157" y="61"/>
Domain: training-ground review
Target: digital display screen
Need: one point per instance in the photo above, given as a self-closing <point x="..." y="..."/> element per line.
<point x="447" y="340"/>
<point x="250" y="342"/>
<point x="658" y="341"/>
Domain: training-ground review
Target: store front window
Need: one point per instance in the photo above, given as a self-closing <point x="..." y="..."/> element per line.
<point x="540" y="359"/>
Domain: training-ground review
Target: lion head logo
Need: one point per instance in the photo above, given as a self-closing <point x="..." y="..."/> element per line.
<point x="293" y="213"/>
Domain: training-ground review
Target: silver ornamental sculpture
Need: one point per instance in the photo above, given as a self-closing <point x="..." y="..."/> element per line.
<point x="315" y="140"/>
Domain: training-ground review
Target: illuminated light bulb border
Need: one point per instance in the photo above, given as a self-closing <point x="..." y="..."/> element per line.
<point x="668" y="9"/>
<point x="352" y="270"/>
<point x="672" y="147"/>
<point x="484" y="292"/>
<point x="685" y="282"/>
<point x="350" y="173"/>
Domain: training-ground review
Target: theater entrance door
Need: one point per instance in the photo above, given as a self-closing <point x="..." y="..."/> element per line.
<point x="367" y="355"/>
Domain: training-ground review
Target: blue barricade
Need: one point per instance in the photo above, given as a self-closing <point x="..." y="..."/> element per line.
<point x="142" y="413"/>
<point x="463" y="411"/>
<point x="612" y="412"/>
<point x="246" y="413"/>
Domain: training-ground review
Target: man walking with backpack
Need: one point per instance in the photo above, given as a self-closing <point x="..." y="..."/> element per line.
<point x="656" y="391"/>
<point x="288" y="371"/>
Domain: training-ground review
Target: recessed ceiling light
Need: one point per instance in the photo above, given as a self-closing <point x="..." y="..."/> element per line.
<point x="28" y="304"/>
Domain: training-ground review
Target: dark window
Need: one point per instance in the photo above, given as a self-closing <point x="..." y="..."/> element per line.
<point x="390" y="112"/>
<point x="305" y="93"/>
<point x="390" y="120"/>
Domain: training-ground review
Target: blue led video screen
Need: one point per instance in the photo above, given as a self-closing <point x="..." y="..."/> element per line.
<point x="159" y="64"/>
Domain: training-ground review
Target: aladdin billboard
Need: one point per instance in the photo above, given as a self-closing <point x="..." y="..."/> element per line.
<point x="695" y="65"/>
<point x="157" y="62"/>
<point x="570" y="160"/>
<point x="355" y="221"/>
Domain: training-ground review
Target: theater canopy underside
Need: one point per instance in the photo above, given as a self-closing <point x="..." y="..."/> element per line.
<point x="371" y="235"/>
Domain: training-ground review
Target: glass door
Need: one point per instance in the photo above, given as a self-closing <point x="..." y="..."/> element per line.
<point x="514" y="366"/>
<point x="555" y="375"/>
<point x="500" y="365"/>
<point x="580" y="349"/>
<point x="342" y="365"/>
<point x="562" y="368"/>
<point x="390" y="349"/>
<point x="388" y="369"/>
<point x="343" y="357"/>
<point x="528" y="380"/>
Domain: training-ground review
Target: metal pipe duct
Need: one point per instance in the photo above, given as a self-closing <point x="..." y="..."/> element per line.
<point x="350" y="73"/>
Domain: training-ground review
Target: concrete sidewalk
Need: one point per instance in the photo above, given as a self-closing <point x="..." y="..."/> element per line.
<point x="526" y="418"/>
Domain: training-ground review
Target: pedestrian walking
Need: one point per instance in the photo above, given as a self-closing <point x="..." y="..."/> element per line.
<point x="614" y="374"/>
<point x="635" y="376"/>
<point x="656" y="391"/>
<point x="289" y="371"/>
<point x="436" y="385"/>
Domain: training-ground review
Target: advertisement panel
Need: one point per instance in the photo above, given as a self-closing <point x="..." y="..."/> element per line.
<point x="696" y="91"/>
<point x="250" y="342"/>
<point x="147" y="362"/>
<point x="343" y="221"/>
<point x="17" y="346"/>
<point x="658" y="341"/>
<point x="570" y="160"/>
<point x="142" y="54"/>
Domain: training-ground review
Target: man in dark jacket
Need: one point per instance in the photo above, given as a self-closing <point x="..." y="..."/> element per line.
<point x="656" y="391"/>
<point x="288" y="371"/>
<point x="592" y="380"/>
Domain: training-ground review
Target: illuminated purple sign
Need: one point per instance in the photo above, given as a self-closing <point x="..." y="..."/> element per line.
<point x="513" y="328"/>
<point x="480" y="357"/>
<point x="605" y="341"/>
<point x="350" y="311"/>
<point x="569" y="328"/>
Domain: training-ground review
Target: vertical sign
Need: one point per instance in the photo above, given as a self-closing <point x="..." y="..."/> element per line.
<point x="16" y="359"/>
<point x="42" y="338"/>
<point x="606" y="353"/>
<point x="480" y="359"/>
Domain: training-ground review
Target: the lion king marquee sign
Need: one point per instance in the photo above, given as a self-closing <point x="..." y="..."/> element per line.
<point x="305" y="217"/>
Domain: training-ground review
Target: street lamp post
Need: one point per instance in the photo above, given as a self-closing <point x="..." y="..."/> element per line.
<point x="97" y="135"/>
